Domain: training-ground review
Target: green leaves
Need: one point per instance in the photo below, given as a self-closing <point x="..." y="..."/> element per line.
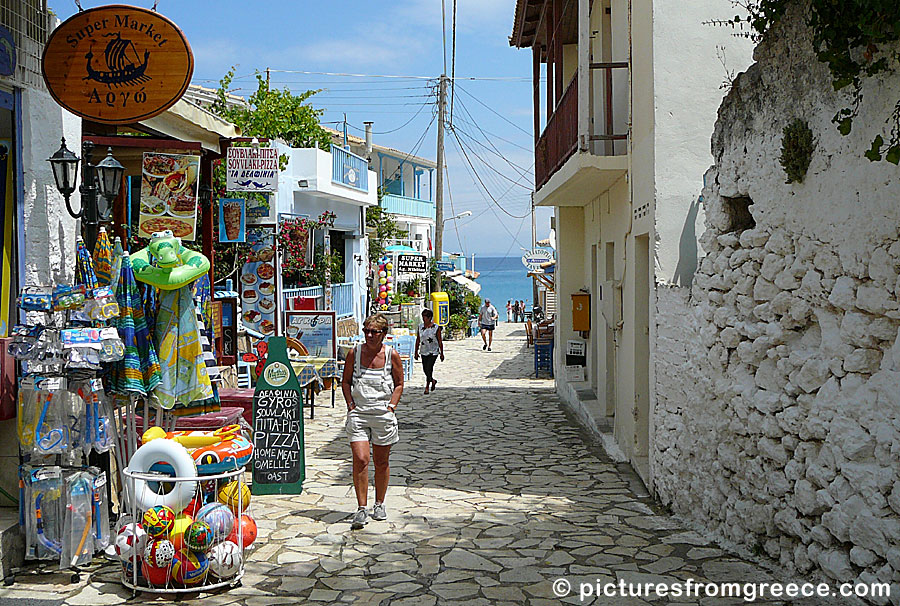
<point x="874" y="153"/>
<point x="893" y="154"/>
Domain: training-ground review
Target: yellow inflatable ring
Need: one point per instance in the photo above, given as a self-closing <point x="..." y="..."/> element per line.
<point x="166" y="264"/>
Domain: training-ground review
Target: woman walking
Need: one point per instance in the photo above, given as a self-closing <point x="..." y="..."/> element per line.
<point x="372" y="385"/>
<point x="430" y="345"/>
<point x="509" y="310"/>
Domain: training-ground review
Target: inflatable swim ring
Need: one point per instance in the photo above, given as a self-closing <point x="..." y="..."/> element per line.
<point x="227" y="455"/>
<point x="193" y="439"/>
<point x="175" y="266"/>
<point x="178" y="460"/>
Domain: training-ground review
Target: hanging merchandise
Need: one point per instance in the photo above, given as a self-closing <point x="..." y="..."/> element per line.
<point x="76" y="548"/>
<point x="103" y="257"/>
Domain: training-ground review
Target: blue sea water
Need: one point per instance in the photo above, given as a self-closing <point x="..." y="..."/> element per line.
<point x="503" y="279"/>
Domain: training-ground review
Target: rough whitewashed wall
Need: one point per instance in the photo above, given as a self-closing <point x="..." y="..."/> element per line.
<point x="778" y="379"/>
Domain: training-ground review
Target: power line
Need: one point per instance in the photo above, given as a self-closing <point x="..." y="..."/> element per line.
<point x="520" y="170"/>
<point x="495" y="112"/>
<point x="393" y="130"/>
<point x="515" y="166"/>
<point x="480" y="180"/>
<point x="488" y="165"/>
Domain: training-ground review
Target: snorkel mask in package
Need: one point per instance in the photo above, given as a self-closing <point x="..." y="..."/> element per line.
<point x="44" y="520"/>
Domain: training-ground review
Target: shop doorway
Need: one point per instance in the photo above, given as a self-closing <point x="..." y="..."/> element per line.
<point x="9" y="241"/>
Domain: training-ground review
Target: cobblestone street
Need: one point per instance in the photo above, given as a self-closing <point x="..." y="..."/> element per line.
<point x="494" y="495"/>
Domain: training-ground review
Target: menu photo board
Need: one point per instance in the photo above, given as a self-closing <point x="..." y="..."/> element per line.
<point x="315" y="329"/>
<point x="232" y="220"/>
<point x="257" y="282"/>
<point x="279" y="462"/>
<point x="169" y="187"/>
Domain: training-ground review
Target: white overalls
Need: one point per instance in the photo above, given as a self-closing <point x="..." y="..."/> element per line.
<point x="371" y="389"/>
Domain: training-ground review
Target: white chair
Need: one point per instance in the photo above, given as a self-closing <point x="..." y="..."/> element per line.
<point x="244" y="377"/>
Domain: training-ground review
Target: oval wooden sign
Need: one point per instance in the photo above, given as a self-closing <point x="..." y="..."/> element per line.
<point x="117" y="64"/>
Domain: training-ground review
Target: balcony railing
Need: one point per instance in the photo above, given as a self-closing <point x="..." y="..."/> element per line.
<point x="560" y="137"/>
<point x="349" y="169"/>
<point x="341" y="295"/>
<point x="404" y="205"/>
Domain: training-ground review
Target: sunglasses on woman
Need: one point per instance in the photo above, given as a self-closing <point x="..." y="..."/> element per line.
<point x="371" y="331"/>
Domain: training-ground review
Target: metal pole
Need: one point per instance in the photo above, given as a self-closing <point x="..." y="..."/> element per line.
<point x="439" y="193"/>
<point x="534" y="285"/>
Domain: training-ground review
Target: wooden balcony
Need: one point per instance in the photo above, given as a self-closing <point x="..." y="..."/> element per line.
<point x="560" y="137"/>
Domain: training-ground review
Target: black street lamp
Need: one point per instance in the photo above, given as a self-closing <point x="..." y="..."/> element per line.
<point x="104" y="178"/>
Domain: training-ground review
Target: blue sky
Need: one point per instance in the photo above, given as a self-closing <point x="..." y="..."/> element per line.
<point x="395" y="37"/>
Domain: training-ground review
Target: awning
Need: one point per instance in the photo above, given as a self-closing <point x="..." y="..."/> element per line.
<point x="188" y="122"/>
<point x="472" y="285"/>
<point x="400" y="248"/>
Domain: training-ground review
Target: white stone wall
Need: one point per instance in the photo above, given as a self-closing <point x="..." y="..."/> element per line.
<point x="778" y="379"/>
<point x="49" y="230"/>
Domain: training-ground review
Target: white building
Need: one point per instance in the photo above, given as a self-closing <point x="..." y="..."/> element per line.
<point x="38" y="244"/>
<point x="338" y="181"/>
<point x="630" y="98"/>
<point x="407" y="185"/>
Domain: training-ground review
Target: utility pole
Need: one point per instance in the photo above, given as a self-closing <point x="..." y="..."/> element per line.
<point x="267" y="77"/>
<point x="439" y="193"/>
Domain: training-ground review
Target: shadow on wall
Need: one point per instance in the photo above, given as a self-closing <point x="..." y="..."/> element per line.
<point x="687" y="248"/>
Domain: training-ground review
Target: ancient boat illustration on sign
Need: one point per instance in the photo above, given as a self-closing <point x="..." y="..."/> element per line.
<point x="124" y="65"/>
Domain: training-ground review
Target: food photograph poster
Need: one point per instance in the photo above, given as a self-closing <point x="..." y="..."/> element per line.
<point x="258" y="282"/>
<point x="169" y="187"/>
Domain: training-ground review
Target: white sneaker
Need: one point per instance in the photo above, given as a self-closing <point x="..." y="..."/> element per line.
<point x="359" y="519"/>
<point x="378" y="512"/>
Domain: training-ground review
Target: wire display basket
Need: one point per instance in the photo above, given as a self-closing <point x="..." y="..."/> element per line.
<point x="184" y="533"/>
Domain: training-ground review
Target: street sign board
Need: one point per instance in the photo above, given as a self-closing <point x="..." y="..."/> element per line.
<point x="444" y="266"/>
<point x="412" y="264"/>
<point x="533" y="259"/>
<point x="117" y="64"/>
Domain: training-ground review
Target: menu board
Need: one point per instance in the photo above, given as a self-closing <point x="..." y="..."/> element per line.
<point x="314" y="329"/>
<point x="232" y="220"/>
<point x="257" y="282"/>
<point x="279" y="463"/>
<point x="169" y="188"/>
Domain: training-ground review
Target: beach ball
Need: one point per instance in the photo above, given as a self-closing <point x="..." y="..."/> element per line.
<point x="158" y="520"/>
<point x="382" y="274"/>
<point x="159" y="553"/>
<point x="192" y="507"/>
<point x="219" y="518"/>
<point x="225" y="560"/>
<point x="189" y="567"/>
<point x="130" y="540"/>
<point x="158" y="576"/>
<point x="382" y="280"/>
<point x="389" y="266"/>
<point x="382" y="295"/>
<point x="181" y="524"/>
<point x="248" y="530"/>
<point x="390" y="279"/>
<point x="382" y="289"/>
<point x="198" y="537"/>
<point x="234" y="494"/>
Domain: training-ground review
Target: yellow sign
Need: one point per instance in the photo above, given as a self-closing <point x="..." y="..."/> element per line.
<point x="117" y="64"/>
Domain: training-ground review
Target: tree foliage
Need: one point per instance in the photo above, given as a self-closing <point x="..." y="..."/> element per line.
<point x="384" y="227"/>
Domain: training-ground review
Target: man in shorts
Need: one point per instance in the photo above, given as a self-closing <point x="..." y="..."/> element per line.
<point x="487" y="318"/>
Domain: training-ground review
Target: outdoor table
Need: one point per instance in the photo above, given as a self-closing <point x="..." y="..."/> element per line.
<point x="311" y="371"/>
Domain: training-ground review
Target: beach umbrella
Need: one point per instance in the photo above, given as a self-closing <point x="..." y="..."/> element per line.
<point x="138" y="373"/>
<point x="103" y="257"/>
<point x="84" y="267"/>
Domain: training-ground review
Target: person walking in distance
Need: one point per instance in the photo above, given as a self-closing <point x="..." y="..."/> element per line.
<point x="487" y="317"/>
<point x="372" y="385"/>
<point x="521" y="311"/>
<point x="509" y="310"/>
<point x="430" y="345"/>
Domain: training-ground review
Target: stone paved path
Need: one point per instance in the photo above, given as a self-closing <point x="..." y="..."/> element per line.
<point x="493" y="496"/>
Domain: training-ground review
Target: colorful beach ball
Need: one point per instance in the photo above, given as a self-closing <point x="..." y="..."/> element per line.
<point x="159" y="553"/>
<point x="189" y="567"/>
<point x="158" y="520"/>
<point x="390" y="279"/>
<point x="225" y="560"/>
<point x="157" y="576"/>
<point x="382" y="295"/>
<point x="248" y="532"/>
<point x="382" y="280"/>
<point x="219" y="518"/>
<point x="198" y="537"/>
<point x="130" y="540"/>
<point x="382" y="274"/>
<point x="181" y="524"/>
<point x="234" y="494"/>
<point x="389" y="266"/>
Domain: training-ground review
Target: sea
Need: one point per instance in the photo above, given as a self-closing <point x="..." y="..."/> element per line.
<point x="503" y="279"/>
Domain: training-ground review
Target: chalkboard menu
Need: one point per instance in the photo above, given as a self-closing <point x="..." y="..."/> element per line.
<point x="279" y="464"/>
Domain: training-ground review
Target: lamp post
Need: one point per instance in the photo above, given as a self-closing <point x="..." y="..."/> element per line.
<point x="104" y="178"/>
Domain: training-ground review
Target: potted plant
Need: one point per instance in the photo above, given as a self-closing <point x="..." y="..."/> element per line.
<point x="459" y="325"/>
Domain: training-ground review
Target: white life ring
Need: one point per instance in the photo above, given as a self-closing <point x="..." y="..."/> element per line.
<point x="173" y="453"/>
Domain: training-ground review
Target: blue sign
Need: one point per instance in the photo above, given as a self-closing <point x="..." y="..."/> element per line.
<point x="445" y="266"/>
<point x="232" y="220"/>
